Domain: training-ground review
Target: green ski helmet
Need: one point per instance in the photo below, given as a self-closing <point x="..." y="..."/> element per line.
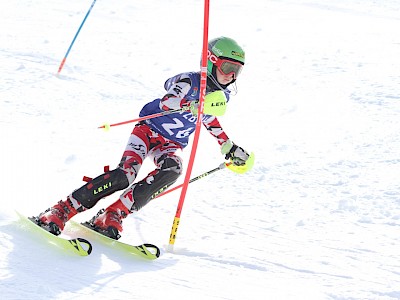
<point x="222" y="51"/>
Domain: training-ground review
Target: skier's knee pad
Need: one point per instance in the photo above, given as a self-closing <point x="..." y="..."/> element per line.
<point x="171" y="163"/>
<point x="100" y="187"/>
<point x="148" y="188"/>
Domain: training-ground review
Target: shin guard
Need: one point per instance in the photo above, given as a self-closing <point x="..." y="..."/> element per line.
<point x="153" y="184"/>
<point x="100" y="187"/>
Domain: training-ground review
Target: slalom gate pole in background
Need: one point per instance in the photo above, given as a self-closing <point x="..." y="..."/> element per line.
<point x="220" y="167"/>
<point x="76" y="35"/>
<point x="203" y="86"/>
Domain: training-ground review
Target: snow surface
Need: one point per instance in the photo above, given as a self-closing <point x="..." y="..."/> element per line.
<point x="317" y="218"/>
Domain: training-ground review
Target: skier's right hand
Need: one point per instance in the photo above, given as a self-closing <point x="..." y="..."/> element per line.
<point x="194" y="107"/>
<point x="214" y="104"/>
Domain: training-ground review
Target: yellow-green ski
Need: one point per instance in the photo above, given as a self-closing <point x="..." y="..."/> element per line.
<point x="147" y="251"/>
<point x="78" y="246"/>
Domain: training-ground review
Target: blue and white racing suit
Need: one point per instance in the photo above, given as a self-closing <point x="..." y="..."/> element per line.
<point x="181" y="89"/>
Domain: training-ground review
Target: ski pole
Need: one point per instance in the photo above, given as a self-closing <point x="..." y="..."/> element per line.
<point x="163" y="113"/>
<point x="220" y="167"/>
<point x="76" y="35"/>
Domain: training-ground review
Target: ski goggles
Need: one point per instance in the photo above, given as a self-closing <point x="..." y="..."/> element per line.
<point x="229" y="67"/>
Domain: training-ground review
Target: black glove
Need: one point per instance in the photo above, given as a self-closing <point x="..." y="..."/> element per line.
<point x="236" y="154"/>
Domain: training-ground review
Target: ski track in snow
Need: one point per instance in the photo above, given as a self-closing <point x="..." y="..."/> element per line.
<point x="317" y="218"/>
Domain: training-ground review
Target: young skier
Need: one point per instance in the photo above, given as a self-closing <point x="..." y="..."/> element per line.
<point x="158" y="138"/>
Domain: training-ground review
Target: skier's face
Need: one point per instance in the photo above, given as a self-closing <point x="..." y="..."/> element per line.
<point x="224" y="79"/>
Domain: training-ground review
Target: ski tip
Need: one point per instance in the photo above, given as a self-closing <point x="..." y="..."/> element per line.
<point x="153" y="250"/>
<point x="82" y="246"/>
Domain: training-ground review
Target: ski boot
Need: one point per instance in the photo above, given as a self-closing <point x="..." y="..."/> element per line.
<point x="54" y="218"/>
<point x="109" y="221"/>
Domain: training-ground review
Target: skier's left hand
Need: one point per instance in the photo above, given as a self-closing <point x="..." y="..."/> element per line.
<point x="240" y="160"/>
<point x="236" y="154"/>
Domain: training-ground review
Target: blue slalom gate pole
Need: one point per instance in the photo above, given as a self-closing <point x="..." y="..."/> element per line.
<point x="76" y="35"/>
